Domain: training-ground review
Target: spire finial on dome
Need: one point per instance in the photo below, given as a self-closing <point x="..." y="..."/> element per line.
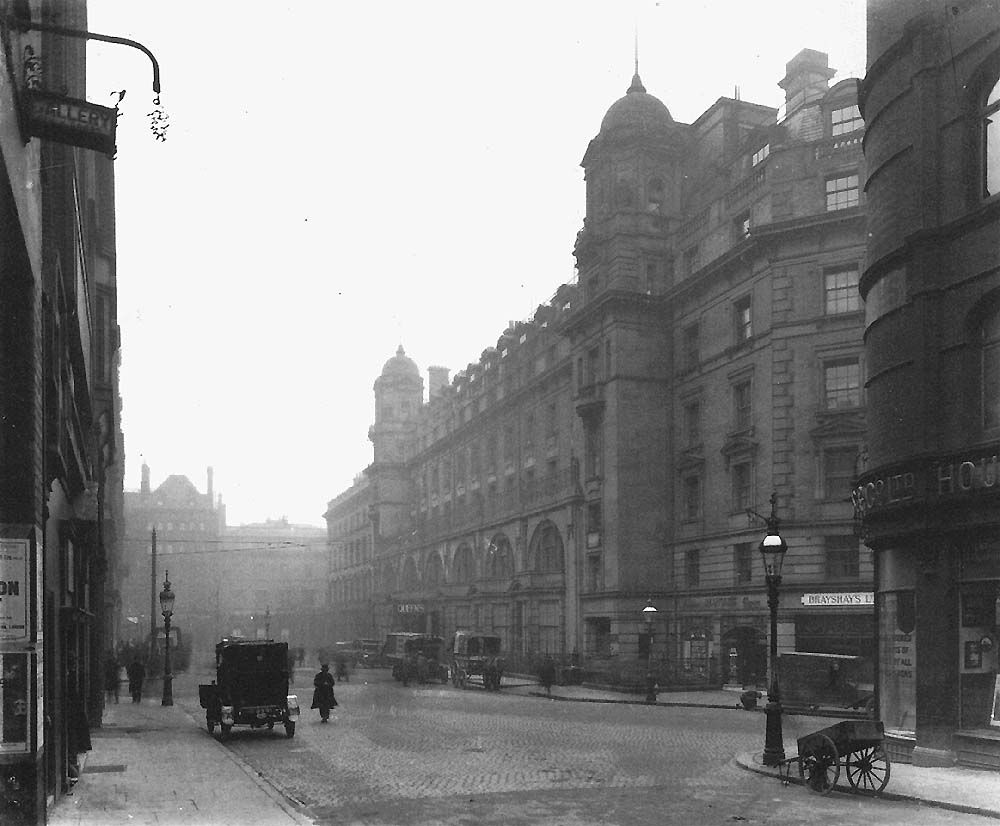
<point x="400" y="351"/>
<point x="636" y="82"/>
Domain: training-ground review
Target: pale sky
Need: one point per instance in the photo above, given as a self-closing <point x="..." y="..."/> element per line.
<point x="342" y="177"/>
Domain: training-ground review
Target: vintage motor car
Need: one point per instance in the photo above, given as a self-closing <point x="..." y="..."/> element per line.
<point x="251" y="687"/>
<point x="478" y="655"/>
<point x="404" y="650"/>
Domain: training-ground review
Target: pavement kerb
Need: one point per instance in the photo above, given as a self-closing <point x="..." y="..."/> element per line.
<point x="750" y="762"/>
<point x="287" y="804"/>
<point x="610" y="700"/>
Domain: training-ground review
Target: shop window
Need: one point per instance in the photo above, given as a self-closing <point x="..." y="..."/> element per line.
<point x="991" y="142"/>
<point x="598" y="636"/>
<point x="897" y="661"/>
<point x="842" y="192"/>
<point x="843" y="558"/>
<point x="841" y="290"/>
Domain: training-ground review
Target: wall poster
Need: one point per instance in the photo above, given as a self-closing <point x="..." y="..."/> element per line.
<point x="14" y="558"/>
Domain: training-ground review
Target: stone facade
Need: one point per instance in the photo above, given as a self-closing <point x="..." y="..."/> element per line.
<point x="606" y="451"/>
<point x="929" y="493"/>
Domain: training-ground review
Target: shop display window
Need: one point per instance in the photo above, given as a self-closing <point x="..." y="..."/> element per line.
<point x="898" y="661"/>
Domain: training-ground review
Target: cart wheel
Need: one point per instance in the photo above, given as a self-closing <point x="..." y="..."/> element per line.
<point x="819" y="767"/>
<point x="270" y="726"/>
<point x="868" y="769"/>
<point x="290" y="729"/>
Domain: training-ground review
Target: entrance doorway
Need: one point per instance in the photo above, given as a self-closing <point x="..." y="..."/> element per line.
<point x="744" y="652"/>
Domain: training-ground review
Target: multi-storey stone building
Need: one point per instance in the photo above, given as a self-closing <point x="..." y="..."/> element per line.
<point x="606" y="452"/>
<point x="256" y="580"/>
<point x="60" y="435"/>
<point x="931" y="287"/>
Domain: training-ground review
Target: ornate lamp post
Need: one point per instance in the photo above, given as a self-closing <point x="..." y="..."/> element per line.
<point x="649" y="614"/>
<point x="167" y="608"/>
<point x="772" y="550"/>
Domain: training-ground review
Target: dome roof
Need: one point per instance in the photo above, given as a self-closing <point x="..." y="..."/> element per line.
<point x="637" y="110"/>
<point x="401" y="365"/>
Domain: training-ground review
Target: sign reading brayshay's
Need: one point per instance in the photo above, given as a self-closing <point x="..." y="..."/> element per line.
<point x="13" y="590"/>
<point x="945" y="478"/>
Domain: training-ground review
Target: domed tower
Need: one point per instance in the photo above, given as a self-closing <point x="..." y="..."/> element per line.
<point x="620" y="343"/>
<point x="633" y="195"/>
<point x="399" y="393"/>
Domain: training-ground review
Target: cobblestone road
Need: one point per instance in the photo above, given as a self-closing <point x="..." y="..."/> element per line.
<point x="437" y="755"/>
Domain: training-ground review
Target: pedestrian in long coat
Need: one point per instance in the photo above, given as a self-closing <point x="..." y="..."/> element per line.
<point x="323" y="697"/>
<point x="136" y="672"/>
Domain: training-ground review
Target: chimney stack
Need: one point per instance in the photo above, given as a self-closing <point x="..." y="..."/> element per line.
<point x="211" y="474"/>
<point x="437" y="380"/>
<point x="807" y="77"/>
<point x="144" y="487"/>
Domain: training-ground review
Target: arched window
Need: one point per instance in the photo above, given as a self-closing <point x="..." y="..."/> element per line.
<point x="499" y="558"/>
<point x="462" y="568"/>
<point x="546" y="548"/>
<point x="655" y="195"/>
<point x="433" y="570"/>
<point x="991" y="141"/>
<point x="410" y="581"/>
<point x="989" y="377"/>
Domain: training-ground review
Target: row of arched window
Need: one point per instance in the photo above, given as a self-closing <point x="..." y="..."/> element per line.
<point x="496" y="560"/>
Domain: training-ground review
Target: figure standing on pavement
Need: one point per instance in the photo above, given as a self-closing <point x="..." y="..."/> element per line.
<point x="547" y="675"/>
<point x="111" y="676"/>
<point x="323" y="697"/>
<point x="136" y="672"/>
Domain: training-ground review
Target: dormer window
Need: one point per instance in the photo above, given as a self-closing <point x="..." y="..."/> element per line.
<point x="759" y="156"/>
<point x="845" y="120"/>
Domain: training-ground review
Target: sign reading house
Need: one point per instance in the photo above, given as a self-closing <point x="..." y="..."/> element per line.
<point x="71" y="121"/>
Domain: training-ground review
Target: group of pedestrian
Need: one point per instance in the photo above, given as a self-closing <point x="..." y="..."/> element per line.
<point x="135" y="671"/>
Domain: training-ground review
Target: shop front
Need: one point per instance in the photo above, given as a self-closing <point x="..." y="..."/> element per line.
<point x="935" y="532"/>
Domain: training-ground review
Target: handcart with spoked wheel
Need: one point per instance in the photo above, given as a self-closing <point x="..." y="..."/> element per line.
<point x="855" y="745"/>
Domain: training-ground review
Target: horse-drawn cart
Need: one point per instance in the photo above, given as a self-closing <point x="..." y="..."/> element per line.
<point x="857" y="745"/>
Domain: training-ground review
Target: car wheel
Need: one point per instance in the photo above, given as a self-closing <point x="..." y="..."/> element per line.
<point x="225" y="730"/>
<point x="289" y="729"/>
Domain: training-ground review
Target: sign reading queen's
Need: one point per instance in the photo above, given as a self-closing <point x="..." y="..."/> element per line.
<point x="13" y="590"/>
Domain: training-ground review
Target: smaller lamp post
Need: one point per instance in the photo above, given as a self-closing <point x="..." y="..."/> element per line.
<point x="648" y="614"/>
<point x="267" y="623"/>
<point x="772" y="550"/>
<point x="167" y="608"/>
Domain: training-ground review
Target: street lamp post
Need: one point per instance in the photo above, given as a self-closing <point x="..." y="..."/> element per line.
<point x="267" y="623"/>
<point x="167" y="608"/>
<point x="772" y="550"/>
<point x="648" y="614"/>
